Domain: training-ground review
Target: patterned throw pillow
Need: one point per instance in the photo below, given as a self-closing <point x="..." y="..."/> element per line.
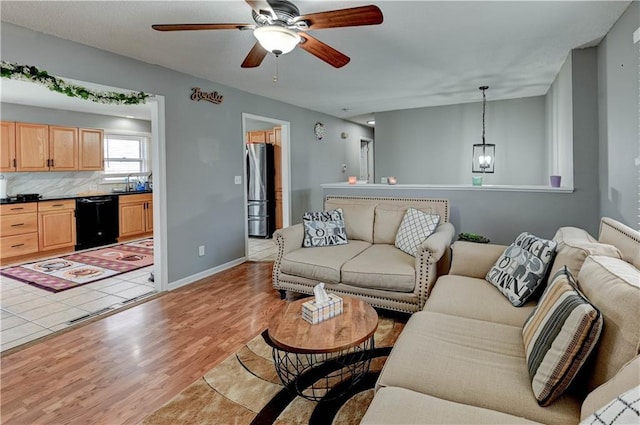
<point x="324" y="228"/>
<point x="415" y="228"/>
<point x="522" y="267"/>
<point x="624" y="409"/>
<point x="558" y="337"/>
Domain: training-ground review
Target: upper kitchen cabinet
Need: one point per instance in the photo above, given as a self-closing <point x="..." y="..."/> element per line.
<point x="91" y="150"/>
<point x="63" y="148"/>
<point x="32" y="147"/>
<point x="8" y="146"/>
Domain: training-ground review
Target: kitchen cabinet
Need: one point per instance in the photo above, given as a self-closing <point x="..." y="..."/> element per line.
<point x="277" y="161"/>
<point x="257" y="137"/>
<point x="42" y="147"/>
<point x="91" y="149"/>
<point x="8" y="146"/>
<point x="136" y="215"/>
<point x="56" y="224"/>
<point x="63" y="148"/>
<point x="32" y="147"/>
<point x="18" y="230"/>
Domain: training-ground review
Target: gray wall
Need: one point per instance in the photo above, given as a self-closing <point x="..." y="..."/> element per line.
<point x="434" y="145"/>
<point x="502" y="215"/>
<point x="618" y="119"/>
<point x="24" y="113"/>
<point x="203" y="145"/>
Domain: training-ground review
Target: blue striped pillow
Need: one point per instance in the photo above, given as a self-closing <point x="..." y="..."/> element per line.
<point x="558" y="337"/>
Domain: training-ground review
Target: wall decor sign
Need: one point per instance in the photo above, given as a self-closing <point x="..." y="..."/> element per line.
<point x="214" y="97"/>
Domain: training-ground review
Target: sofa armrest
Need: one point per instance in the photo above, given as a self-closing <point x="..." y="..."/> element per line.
<point x="429" y="255"/>
<point x="474" y="259"/>
<point x="289" y="238"/>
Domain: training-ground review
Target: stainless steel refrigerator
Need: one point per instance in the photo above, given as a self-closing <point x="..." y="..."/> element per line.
<point x="261" y="190"/>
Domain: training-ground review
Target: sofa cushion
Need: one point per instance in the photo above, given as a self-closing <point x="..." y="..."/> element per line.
<point x="558" y="337"/>
<point x="393" y="405"/>
<point x="522" y="268"/>
<point x="472" y="362"/>
<point x="358" y="217"/>
<point x="324" y="228"/>
<point x="623" y="409"/>
<point x="388" y="218"/>
<point x="627" y="378"/>
<point x="381" y="266"/>
<point x="613" y="286"/>
<point x="469" y="297"/>
<point x="321" y="263"/>
<point x="574" y="245"/>
<point x="415" y="228"/>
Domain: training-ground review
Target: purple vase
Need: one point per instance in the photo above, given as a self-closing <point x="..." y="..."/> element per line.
<point x="555" y="181"/>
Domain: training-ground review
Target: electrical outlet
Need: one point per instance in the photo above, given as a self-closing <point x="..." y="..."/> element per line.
<point x="201" y="250"/>
<point x="237" y="179"/>
<point x="383" y="180"/>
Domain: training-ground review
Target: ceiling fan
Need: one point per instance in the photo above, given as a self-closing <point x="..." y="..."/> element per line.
<point x="279" y="28"/>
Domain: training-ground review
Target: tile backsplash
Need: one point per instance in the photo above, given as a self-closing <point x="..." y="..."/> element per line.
<point x="56" y="183"/>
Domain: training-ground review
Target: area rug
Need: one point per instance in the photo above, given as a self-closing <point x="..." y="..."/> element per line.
<point x="70" y="271"/>
<point x="244" y="389"/>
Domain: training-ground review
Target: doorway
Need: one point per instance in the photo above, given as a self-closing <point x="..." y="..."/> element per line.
<point x="259" y="129"/>
<point x="366" y="161"/>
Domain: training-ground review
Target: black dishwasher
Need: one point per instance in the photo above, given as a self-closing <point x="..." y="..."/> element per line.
<point x="96" y="221"/>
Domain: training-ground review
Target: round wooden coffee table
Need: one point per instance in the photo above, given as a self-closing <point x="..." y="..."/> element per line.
<point x="323" y="361"/>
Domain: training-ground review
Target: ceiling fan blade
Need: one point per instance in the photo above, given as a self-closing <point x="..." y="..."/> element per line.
<point x="323" y="51"/>
<point x="262" y="7"/>
<point x="195" y="27"/>
<point x="255" y="56"/>
<point x="353" y="17"/>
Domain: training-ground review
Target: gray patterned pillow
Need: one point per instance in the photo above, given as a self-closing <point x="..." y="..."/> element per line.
<point x="415" y="228"/>
<point x="522" y="267"/>
<point x="324" y="228"/>
<point x="624" y="409"/>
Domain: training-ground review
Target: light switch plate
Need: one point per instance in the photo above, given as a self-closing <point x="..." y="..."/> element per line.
<point x="237" y="180"/>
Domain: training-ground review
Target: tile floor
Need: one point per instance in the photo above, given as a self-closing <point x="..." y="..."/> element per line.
<point x="261" y="249"/>
<point x="28" y="313"/>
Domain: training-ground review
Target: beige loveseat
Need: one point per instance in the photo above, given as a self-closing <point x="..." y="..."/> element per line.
<point x="369" y="266"/>
<point x="462" y="360"/>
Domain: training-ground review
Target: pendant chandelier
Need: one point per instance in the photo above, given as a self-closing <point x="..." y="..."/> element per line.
<point x="484" y="157"/>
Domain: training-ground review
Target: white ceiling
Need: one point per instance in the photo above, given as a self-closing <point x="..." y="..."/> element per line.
<point x="425" y="53"/>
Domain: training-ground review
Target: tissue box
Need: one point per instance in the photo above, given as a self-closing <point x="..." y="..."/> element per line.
<point x="316" y="313"/>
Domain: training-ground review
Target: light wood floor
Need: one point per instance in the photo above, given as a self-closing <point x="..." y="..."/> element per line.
<point x="122" y="368"/>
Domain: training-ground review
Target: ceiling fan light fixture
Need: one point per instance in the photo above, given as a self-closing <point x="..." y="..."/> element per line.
<point x="277" y="40"/>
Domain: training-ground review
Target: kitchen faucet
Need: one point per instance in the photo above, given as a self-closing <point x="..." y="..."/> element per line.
<point x="128" y="189"/>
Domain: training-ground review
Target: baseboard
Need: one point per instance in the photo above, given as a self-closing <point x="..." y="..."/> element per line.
<point x="205" y="273"/>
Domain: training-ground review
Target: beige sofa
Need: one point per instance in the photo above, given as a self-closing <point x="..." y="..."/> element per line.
<point x="369" y="266"/>
<point x="462" y="360"/>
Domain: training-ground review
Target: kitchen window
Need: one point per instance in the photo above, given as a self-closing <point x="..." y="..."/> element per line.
<point x="125" y="155"/>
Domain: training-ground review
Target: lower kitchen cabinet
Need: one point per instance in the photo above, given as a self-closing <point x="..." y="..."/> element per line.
<point x="19" y="230"/>
<point x="56" y="224"/>
<point x="136" y="215"/>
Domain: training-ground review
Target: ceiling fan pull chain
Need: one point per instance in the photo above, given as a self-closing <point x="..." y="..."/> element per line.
<point x="275" y="77"/>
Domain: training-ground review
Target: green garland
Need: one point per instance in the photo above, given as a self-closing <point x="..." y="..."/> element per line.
<point x="31" y="73"/>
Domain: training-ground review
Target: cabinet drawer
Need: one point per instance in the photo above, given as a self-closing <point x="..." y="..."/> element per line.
<point x="17" y="224"/>
<point x="130" y="199"/>
<point x="14" y="246"/>
<point x="67" y="204"/>
<point x="27" y="207"/>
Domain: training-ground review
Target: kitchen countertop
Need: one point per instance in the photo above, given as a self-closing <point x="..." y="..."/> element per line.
<point x="61" y="197"/>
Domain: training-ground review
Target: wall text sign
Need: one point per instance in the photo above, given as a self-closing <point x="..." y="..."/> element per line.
<point x="214" y="97"/>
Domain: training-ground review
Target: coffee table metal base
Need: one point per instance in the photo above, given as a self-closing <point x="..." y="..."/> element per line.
<point x="323" y="376"/>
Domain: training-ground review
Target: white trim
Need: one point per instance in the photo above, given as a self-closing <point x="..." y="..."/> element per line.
<point x="285" y="143"/>
<point x="444" y="187"/>
<point x="205" y="273"/>
<point x="159" y="167"/>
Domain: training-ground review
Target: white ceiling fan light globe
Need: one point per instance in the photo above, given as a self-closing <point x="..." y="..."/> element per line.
<point x="277" y="40"/>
